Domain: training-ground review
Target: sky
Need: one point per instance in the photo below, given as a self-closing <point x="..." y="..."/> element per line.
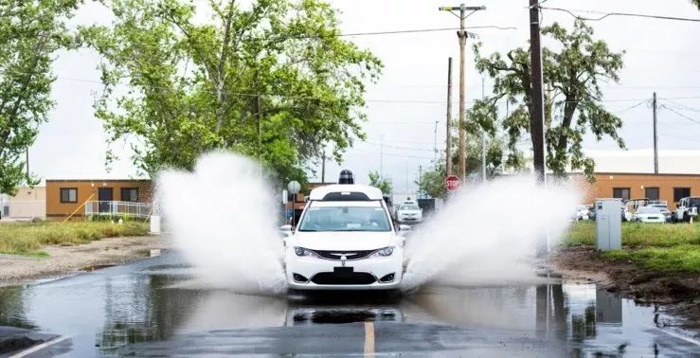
<point x="404" y="106"/>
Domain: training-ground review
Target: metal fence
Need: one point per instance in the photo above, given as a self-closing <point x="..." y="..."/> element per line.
<point x="117" y="208"/>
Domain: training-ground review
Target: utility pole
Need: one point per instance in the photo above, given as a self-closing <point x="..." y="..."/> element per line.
<point x="420" y="177"/>
<point x="483" y="139"/>
<point x="323" y="167"/>
<point x="435" y="146"/>
<point x="448" y="140"/>
<point x="26" y="153"/>
<point x="656" y="138"/>
<point x="462" y="36"/>
<point x="537" y="112"/>
<point x="537" y="95"/>
<point x="381" y="156"/>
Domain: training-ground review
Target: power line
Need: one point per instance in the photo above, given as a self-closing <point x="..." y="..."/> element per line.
<point x="682" y="115"/>
<point x="608" y="14"/>
<point x="681" y="138"/>
<point x="681" y="107"/>
<point x="413" y="31"/>
<point x="399" y="147"/>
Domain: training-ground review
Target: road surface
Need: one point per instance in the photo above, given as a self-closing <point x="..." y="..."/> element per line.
<point x="152" y="308"/>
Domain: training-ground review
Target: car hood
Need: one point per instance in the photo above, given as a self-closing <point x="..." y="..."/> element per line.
<point x="343" y="240"/>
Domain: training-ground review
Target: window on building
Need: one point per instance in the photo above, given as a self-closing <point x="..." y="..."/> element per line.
<point x="69" y="195"/>
<point x="130" y="194"/>
<point x="680" y="193"/>
<point x="621" y="193"/>
<point x="651" y="193"/>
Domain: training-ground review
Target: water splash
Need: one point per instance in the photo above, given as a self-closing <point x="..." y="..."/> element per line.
<point x="223" y="220"/>
<point x="222" y="217"/>
<point x="485" y="235"/>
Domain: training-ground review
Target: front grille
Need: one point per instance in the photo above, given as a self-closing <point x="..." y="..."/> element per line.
<point x="355" y="278"/>
<point x="350" y="255"/>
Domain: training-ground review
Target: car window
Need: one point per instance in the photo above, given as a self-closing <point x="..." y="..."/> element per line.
<point x="345" y="218"/>
<point x="648" y="210"/>
<point x="409" y="207"/>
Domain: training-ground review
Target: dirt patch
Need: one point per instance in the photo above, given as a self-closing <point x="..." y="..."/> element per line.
<point x="65" y="260"/>
<point x="679" y="293"/>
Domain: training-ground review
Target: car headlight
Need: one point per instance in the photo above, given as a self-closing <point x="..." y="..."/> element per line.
<point x="300" y="251"/>
<point x="387" y="251"/>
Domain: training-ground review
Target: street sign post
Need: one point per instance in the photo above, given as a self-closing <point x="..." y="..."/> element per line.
<point x="452" y="183"/>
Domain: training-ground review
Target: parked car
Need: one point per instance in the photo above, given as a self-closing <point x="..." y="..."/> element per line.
<point x="649" y="214"/>
<point x="687" y="208"/>
<point x="409" y="213"/>
<point x="345" y="240"/>
<point x="582" y="212"/>
<point x="663" y="206"/>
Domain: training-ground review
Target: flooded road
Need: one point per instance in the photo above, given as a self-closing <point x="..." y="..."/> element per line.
<point x="156" y="308"/>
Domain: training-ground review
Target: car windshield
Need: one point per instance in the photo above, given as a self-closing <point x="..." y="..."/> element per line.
<point x="345" y="218"/>
<point x="409" y="207"/>
<point x="648" y="210"/>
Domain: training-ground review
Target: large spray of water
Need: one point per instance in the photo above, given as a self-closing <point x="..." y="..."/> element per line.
<point x="487" y="234"/>
<point x="223" y="219"/>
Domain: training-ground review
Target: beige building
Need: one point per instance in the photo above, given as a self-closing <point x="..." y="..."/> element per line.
<point x="63" y="197"/>
<point x="28" y="203"/>
<point x="668" y="187"/>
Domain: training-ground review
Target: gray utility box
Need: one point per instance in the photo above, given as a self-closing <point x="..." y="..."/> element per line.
<point x="608" y="216"/>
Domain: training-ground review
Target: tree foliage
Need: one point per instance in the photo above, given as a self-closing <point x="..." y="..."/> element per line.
<point x="573" y="72"/>
<point x="30" y="34"/>
<point x="383" y="183"/>
<point x="432" y="182"/>
<point x="271" y="81"/>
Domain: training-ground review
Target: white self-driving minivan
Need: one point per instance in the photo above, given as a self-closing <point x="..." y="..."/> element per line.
<point x="345" y="240"/>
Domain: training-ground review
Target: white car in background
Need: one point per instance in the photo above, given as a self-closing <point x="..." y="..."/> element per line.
<point x="409" y="213"/>
<point x="662" y="205"/>
<point x="649" y="214"/>
<point x="582" y="212"/>
<point x="345" y="240"/>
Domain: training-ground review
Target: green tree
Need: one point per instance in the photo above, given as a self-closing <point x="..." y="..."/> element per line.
<point x="30" y="34"/>
<point x="696" y="3"/>
<point x="573" y="73"/>
<point x="272" y="81"/>
<point x="383" y="183"/>
<point x="432" y="182"/>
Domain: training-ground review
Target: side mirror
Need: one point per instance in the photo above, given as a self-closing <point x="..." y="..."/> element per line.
<point x="405" y="228"/>
<point x="286" y="229"/>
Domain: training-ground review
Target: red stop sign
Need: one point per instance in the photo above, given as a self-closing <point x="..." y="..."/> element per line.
<point x="452" y="183"/>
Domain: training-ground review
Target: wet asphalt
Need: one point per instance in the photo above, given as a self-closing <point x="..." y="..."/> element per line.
<point x="143" y="309"/>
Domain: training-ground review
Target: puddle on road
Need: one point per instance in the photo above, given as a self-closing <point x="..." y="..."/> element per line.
<point x="95" y="267"/>
<point x="109" y="309"/>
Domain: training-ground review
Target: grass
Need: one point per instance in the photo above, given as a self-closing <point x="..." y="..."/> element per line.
<point x="28" y="238"/>
<point x="682" y="258"/>
<point x="661" y="248"/>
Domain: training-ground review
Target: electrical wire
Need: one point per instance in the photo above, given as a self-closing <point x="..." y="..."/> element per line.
<point x="679" y="106"/>
<point x="677" y="137"/>
<point x="399" y="147"/>
<point x="682" y="115"/>
<point x="608" y="14"/>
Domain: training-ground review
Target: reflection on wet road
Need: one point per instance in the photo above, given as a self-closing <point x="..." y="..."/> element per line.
<point x="154" y="308"/>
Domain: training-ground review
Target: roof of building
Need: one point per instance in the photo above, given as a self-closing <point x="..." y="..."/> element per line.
<point x="321" y="192"/>
<point x="96" y="180"/>
<point x="642" y="161"/>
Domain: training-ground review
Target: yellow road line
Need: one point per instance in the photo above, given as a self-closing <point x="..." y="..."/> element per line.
<point x="369" y="339"/>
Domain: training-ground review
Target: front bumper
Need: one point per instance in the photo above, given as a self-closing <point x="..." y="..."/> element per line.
<point x="406" y="220"/>
<point x="366" y="275"/>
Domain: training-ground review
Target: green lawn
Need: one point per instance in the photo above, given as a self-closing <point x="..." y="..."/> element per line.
<point x="28" y="238"/>
<point x="662" y="248"/>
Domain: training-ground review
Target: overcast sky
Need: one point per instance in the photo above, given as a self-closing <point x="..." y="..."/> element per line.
<point x="409" y="98"/>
